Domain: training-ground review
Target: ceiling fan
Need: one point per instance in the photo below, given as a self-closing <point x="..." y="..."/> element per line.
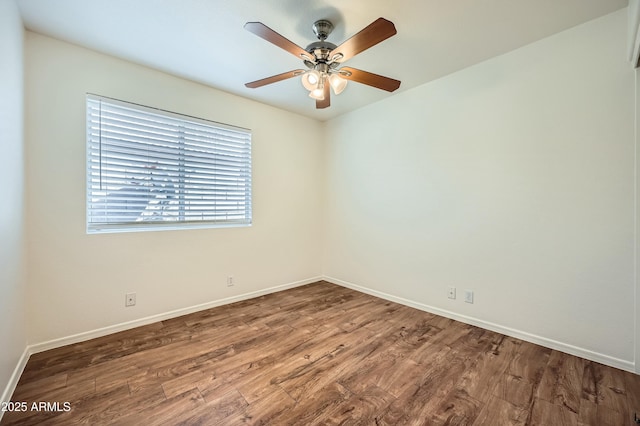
<point x="323" y="59"/>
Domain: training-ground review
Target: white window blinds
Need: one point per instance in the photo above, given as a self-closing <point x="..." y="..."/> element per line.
<point x="148" y="168"/>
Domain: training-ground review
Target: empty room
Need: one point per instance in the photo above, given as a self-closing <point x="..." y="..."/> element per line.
<point x="323" y="212"/>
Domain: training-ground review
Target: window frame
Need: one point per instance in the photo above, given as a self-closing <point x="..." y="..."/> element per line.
<point x="156" y="225"/>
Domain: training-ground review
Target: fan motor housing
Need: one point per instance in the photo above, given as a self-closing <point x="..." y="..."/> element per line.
<point x="321" y="49"/>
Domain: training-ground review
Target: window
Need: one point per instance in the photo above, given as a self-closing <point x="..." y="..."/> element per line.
<point x="152" y="169"/>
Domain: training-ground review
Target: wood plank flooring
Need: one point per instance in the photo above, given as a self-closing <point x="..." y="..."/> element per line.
<point x="320" y="355"/>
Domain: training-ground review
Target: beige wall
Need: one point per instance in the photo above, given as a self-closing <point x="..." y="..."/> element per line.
<point x="13" y="334"/>
<point x="78" y="281"/>
<point x="513" y="178"/>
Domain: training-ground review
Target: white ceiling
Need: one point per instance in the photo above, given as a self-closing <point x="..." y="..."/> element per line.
<point x="204" y="40"/>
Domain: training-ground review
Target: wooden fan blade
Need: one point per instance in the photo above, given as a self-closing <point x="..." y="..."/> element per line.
<point x="326" y="102"/>
<point x="274" y="79"/>
<point x="370" y="79"/>
<point x="261" y="30"/>
<point x="379" y="30"/>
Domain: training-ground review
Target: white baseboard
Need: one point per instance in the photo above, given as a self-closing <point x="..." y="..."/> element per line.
<point x="88" y="335"/>
<point x="15" y="378"/>
<point x="523" y="335"/>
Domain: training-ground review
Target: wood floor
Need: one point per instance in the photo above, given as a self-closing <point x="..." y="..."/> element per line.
<point x="320" y="354"/>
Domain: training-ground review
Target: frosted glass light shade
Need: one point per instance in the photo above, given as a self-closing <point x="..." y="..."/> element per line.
<point x="310" y="79"/>
<point x="317" y="94"/>
<point x="337" y="83"/>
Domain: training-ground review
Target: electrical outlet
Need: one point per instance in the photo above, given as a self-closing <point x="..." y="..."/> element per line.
<point x="451" y="294"/>
<point x="468" y="296"/>
<point x="130" y="299"/>
<point x="230" y="281"/>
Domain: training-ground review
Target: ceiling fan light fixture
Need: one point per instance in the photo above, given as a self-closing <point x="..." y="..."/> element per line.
<point x="338" y="84"/>
<point x="310" y="79"/>
<point x="317" y="94"/>
<point x="323" y="59"/>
